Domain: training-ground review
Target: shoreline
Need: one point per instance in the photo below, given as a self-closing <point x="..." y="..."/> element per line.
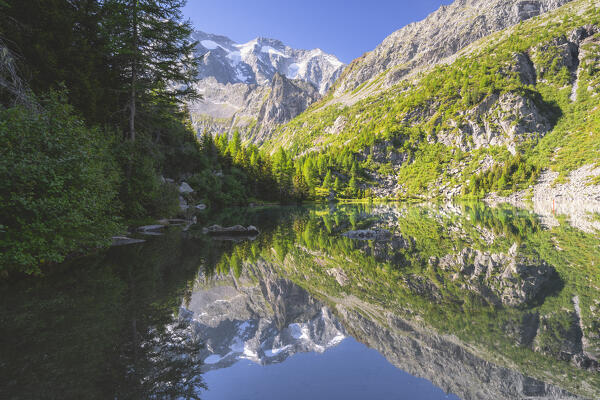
<point x="576" y="199"/>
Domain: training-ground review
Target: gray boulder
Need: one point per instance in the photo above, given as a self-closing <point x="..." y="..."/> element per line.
<point x="236" y="230"/>
<point x="184" y="188"/>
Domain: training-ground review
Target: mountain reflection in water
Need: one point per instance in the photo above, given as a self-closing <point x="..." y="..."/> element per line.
<point x="484" y="303"/>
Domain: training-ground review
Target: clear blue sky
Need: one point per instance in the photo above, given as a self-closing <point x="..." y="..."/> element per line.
<point x="345" y="28"/>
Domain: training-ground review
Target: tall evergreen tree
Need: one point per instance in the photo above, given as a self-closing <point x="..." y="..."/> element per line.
<point x="151" y="50"/>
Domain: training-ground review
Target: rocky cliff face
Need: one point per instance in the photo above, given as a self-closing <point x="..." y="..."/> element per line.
<point x="441" y="35"/>
<point x="287" y="98"/>
<point x="501" y="279"/>
<point x="254" y="86"/>
<point x="444" y="361"/>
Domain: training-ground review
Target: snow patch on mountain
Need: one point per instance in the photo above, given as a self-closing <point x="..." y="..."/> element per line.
<point x="209" y="44"/>
<point x="258" y="60"/>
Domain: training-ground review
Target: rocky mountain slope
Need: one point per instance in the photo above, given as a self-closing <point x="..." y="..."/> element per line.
<point x="492" y="117"/>
<point x="258" y="316"/>
<point x="257" y="85"/>
<point x="440" y="35"/>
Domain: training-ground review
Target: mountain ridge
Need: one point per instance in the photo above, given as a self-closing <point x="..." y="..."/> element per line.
<point x="425" y="43"/>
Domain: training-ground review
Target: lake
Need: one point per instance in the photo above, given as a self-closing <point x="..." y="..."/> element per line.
<point x="377" y="301"/>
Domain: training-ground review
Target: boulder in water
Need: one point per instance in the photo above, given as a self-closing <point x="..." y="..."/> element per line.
<point x="237" y="230"/>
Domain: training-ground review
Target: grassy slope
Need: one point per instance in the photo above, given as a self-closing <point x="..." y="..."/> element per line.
<point x="414" y="112"/>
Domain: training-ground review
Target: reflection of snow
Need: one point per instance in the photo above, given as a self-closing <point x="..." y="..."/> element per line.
<point x="237" y="346"/>
<point x="336" y="340"/>
<point x="249" y="353"/>
<point x="275" y="351"/>
<point x="243" y="327"/>
<point x="261" y="341"/>
<point x="299" y="331"/>
<point x="212" y="359"/>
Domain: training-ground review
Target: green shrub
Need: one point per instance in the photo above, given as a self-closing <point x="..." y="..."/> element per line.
<point x="57" y="187"/>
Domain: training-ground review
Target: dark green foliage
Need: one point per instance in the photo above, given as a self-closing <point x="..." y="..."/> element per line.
<point x="142" y="192"/>
<point x="57" y="186"/>
<point x="57" y="41"/>
<point x="149" y="49"/>
<point x="84" y="329"/>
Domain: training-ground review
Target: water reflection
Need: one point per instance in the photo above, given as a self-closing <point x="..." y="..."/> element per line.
<point x="485" y="303"/>
<point x="103" y="327"/>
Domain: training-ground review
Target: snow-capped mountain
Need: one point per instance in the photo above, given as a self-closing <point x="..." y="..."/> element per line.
<point x="257" y="62"/>
<point x="255" y="86"/>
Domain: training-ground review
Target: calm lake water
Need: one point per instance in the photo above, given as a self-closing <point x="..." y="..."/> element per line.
<point x="451" y="302"/>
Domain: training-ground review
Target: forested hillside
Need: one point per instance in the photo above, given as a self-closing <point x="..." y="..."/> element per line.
<point x="94" y="134"/>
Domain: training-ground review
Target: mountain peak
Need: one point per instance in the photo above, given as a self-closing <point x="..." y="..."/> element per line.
<point x="257" y="61"/>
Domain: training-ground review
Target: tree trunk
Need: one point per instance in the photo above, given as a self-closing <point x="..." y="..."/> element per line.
<point x="134" y="48"/>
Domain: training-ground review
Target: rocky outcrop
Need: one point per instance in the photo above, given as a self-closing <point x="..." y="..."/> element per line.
<point x="508" y="279"/>
<point x="287" y="99"/>
<point x="499" y="120"/>
<point x="369" y="234"/>
<point x="441" y="35"/>
<point x="575" y="198"/>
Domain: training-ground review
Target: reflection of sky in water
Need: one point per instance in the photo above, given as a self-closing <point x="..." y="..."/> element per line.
<point x="348" y="371"/>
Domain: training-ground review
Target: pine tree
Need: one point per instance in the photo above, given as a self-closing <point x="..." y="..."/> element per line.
<point x="353" y="186"/>
<point x="309" y="172"/>
<point x="327" y="181"/>
<point x="150" y="50"/>
<point x="337" y="184"/>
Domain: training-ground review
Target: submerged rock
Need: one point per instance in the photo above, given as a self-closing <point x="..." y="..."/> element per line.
<point x="369" y="234"/>
<point x="239" y="230"/>
<point x="151" y="229"/>
<point x="124" y="240"/>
